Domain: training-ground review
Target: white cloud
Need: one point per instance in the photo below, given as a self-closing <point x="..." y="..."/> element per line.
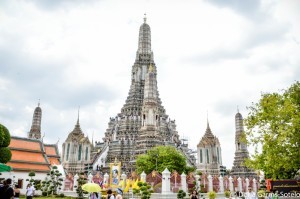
<point x="210" y="57"/>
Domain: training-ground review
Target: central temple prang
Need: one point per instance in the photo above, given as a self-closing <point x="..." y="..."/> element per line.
<point x="142" y="123"/>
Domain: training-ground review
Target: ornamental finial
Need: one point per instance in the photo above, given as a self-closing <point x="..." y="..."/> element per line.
<point x="145" y="18"/>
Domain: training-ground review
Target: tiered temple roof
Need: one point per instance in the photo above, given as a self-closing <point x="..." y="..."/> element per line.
<point x="52" y="154"/>
<point x="30" y="155"/>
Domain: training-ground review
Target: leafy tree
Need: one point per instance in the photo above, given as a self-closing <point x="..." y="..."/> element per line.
<point x="81" y="181"/>
<point x="161" y="157"/>
<point x="195" y="186"/>
<point x="35" y="183"/>
<point x="181" y="194"/>
<point x="143" y="190"/>
<point x="274" y="124"/>
<point x="53" y="182"/>
<point x="31" y="174"/>
<point x="5" y="153"/>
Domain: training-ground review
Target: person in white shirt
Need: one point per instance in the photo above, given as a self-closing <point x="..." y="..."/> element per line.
<point x="30" y="191"/>
<point x="250" y="194"/>
<point x="120" y="193"/>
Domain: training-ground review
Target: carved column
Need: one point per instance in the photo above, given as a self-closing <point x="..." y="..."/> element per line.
<point x="230" y="184"/>
<point x="166" y="188"/>
<point x="221" y="184"/>
<point x="210" y="183"/>
<point x="239" y="184"/>
<point x="90" y="177"/>
<point x="105" y="180"/>
<point x="183" y="182"/>
<point x="254" y="185"/>
<point x="75" y="185"/>
<point x="143" y="176"/>
<point x="247" y="184"/>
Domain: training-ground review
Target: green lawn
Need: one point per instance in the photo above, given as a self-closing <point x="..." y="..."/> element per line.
<point x="48" y="197"/>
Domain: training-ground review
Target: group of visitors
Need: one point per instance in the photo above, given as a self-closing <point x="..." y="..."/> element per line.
<point x="110" y="194"/>
<point x="9" y="191"/>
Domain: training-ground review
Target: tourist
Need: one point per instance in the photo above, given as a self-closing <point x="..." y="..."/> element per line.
<point x="110" y="195"/>
<point x="6" y="191"/>
<point x="194" y="195"/>
<point x="238" y="195"/>
<point x="17" y="192"/>
<point x="2" y="187"/>
<point x="30" y="191"/>
<point x="250" y="194"/>
<point x="119" y="194"/>
<point x="94" y="195"/>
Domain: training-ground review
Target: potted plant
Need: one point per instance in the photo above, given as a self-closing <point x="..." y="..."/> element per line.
<point x="227" y="194"/>
<point x="211" y="195"/>
<point x="181" y="194"/>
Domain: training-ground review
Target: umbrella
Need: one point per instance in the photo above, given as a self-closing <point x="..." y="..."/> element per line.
<point x="4" y="167"/>
<point x="91" y="187"/>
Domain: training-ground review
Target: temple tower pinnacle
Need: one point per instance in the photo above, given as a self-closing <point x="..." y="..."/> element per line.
<point x="144" y="46"/>
<point x="241" y="151"/>
<point x="35" y="131"/>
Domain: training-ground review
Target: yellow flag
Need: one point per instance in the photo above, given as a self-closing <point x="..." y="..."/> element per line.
<point x="128" y="182"/>
<point x="135" y="185"/>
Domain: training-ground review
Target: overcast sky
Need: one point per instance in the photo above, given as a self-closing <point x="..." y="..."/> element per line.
<point x="211" y="56"/>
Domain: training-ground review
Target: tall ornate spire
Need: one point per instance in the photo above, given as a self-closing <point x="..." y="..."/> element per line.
<point x="144" y="39"/>
<point x="35" y="131"/>
<point x="142" y="122"/>
<point x="241" y="151"/>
